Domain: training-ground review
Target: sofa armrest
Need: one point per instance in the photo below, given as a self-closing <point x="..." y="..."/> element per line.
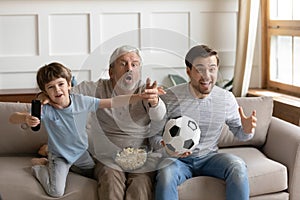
<point x="283" y="145"/>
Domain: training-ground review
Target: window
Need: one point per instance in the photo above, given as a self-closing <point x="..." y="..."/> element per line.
<point x="281" y="45"/>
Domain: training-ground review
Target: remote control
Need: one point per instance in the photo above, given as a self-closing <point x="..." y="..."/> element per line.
<point x="36" y="112"/>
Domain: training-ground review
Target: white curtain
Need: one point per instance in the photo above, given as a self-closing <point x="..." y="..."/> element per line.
<point x="247" y="29"/>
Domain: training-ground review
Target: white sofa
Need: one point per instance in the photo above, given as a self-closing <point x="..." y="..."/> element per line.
<point x="272" y="157"/>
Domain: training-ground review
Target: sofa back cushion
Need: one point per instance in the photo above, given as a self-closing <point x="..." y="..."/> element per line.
<point x="18" y="138"/>
<point x="264" y="111"/>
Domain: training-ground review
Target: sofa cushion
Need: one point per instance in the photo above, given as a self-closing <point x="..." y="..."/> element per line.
<point x="18" y="138"/>
<point x="202" y="188"/>
<point x="264" y="110"/>
<point x="17" y="182"/>
<point x="265" y="176"/>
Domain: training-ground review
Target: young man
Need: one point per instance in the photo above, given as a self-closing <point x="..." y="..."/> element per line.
<point x="127" y="126"/>
<point x="67" y="137"/>
<point x="211" y="107"/>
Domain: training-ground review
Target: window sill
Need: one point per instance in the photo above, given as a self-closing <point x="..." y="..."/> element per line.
<point x="286" y="107"/>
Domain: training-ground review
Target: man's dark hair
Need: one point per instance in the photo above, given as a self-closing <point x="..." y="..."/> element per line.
<point x="199" y="51"/>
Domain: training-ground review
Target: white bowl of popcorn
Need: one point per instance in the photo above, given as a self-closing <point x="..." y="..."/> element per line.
<point x="130" y="158"/>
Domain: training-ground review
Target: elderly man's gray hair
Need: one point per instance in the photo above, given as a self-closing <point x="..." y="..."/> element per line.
<point x="123" y="50"/>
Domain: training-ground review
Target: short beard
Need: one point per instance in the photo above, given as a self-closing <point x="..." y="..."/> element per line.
<point x="199" y="93"/>
<point x="125" y="88"/>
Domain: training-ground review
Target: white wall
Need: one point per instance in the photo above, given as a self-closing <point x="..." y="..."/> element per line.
<point x="82" y="35"/>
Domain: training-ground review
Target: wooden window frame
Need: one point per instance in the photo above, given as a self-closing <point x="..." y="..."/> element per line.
<point x="271" y="28"/>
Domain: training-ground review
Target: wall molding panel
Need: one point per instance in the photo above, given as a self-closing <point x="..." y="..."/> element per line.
<point x="18" y="35"/>
<point x="82" y="34"/>
<point x="76" y="28"/>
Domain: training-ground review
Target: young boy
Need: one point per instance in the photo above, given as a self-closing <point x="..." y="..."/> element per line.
<point x="67" y="138"/>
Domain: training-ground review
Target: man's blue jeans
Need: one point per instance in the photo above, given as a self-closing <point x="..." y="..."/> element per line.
<point x="224" y="166"/>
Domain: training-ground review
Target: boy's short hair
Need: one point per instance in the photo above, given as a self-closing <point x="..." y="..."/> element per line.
<point x="51" y="72"/>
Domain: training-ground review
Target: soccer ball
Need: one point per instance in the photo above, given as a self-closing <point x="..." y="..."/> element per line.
<point x="181" y="134"/>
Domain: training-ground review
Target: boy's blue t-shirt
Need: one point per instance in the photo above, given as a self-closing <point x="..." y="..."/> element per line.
<point x="67" y="136"/>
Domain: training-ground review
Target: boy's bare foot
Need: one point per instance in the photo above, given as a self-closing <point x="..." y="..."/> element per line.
<point x="43" y="151"/>
<point x="39" y="161"/>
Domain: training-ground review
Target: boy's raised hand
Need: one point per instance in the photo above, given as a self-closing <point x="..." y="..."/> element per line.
<point x="32" y="121"/>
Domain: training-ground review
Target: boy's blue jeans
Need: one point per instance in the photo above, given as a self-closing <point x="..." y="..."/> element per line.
<point x="224" y="166"/>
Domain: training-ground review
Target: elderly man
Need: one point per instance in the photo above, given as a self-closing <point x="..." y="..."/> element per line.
<point x="123" y="127"/>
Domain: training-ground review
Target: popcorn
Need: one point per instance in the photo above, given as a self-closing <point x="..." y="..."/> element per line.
<point x="131" y="158"/>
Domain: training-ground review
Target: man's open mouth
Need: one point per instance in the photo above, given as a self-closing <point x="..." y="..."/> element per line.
<point x="128" y="78"/>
